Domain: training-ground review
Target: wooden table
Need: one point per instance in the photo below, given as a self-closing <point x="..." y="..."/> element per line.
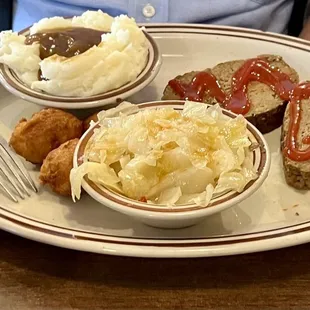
<point x="38" y="276"/>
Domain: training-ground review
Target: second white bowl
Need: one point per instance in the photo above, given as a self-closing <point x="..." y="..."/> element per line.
<point x="180" y="215"/>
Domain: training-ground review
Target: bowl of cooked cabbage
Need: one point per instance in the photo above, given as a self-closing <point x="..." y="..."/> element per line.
<point x="169" y="164"/>
<point x="81" y="62"/>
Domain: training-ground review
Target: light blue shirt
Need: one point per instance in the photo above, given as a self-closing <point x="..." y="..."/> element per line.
<point x="267" y="15"/>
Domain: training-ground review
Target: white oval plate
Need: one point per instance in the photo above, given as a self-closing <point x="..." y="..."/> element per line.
<point x="275" y="216"/>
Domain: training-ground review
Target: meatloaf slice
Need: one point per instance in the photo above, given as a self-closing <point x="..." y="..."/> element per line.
<point x="186" y="78"/>
<point x="267" y="109"/>
<point x="297" y="173"/>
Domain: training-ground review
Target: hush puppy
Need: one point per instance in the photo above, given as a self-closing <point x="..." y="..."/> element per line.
<point x="56" y="168"/>
<point x="33" y="139"/>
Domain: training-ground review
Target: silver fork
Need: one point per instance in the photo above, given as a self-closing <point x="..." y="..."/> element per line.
<point x="14" y="178"/>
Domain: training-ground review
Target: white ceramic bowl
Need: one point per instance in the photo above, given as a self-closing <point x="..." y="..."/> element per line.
<point x="13" y="84"/>
<point x="181" y="215"/>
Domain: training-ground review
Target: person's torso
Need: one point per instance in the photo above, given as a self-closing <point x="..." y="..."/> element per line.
<point x="267" y="15"/>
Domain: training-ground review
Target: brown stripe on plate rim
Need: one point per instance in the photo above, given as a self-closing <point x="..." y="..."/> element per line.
<point x="127" y="202"/>
<point x="233" y="30"/>
<point x="125" y="240"/>
<point x="246" y="37"/>
<point x="15" y="83"/>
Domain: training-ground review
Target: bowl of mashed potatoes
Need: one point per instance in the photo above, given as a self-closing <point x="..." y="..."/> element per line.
<point x="82" y="62"/>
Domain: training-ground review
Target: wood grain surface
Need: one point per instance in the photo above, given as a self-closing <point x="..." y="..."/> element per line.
<point x="38" y="276"/>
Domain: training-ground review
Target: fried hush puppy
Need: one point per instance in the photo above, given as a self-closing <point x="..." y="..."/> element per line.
<point x="56" y="168"/>
<point x="33" y="139"/>
<point x="87" y="121"/>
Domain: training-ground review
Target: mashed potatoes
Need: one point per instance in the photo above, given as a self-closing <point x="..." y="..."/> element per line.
<point x="117" y="60"/>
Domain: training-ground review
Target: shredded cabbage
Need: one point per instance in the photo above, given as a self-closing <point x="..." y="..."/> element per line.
<point x="168" y="157"/>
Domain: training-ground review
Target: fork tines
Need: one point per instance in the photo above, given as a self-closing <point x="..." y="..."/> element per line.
<point x="14" y="178"/>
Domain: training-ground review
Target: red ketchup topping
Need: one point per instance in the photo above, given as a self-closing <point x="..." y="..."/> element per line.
<point x="143" y="199"/>
<point x="302" y="91"/>
<point x="306" y="140"/>
<point x="201" y="83"/>
<point x="256" y="69"/>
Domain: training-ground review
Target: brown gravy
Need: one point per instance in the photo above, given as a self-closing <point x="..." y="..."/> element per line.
<point x="67" y="42"/>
